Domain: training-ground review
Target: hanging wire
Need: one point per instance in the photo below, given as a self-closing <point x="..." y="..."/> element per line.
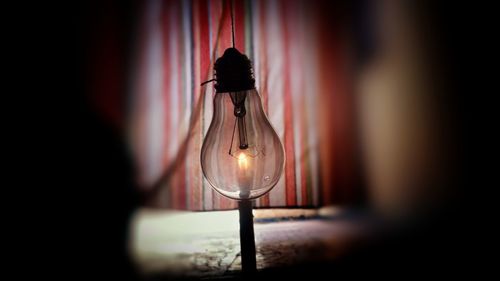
<point x="232" y="21"/>
<point x="232" y="34"/>
<point x="208" y="81"/>
<point x="232" y="138"/>
<point x="154" y="189"/>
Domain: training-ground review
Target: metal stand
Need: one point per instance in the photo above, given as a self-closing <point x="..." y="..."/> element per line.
<point x="247" y="238"/>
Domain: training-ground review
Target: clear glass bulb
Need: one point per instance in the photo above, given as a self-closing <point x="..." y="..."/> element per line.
<point x="242" y="156"/>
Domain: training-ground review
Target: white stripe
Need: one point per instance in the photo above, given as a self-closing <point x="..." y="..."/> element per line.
<point x="277" y="196"/>
<point x="186" y="24"/>
<point x="208" y="105"/>
<point x="196" y="175"/>
<point x="154" y="92"/>
<point x="207" y="191"/>
<point x="188" y="91"/>
<point x="173" y="93"/>
<point x="256" y="58"/>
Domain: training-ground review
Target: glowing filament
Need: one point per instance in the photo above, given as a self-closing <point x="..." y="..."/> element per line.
<point x="242" y="161"/>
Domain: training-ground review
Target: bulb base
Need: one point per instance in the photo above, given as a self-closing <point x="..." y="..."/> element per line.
<point x="233" y="72"/>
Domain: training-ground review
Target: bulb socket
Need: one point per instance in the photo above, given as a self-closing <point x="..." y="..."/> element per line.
<point x="233" y="72"/>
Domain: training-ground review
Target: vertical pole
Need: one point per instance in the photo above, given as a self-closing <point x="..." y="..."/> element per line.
<point x="247" y="238"/>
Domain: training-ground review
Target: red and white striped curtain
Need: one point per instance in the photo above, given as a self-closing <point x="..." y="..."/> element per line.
<point x="169" y="114"/>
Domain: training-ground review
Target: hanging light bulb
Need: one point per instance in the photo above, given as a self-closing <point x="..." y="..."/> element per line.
<point x="242" y="156"/>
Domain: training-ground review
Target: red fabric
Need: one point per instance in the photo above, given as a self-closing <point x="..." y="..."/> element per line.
<point x="300" y="64"/>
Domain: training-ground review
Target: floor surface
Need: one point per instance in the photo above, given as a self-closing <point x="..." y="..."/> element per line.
<point x="206" y="244"/>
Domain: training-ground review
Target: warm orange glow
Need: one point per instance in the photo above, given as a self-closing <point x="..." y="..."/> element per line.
<point x="243" y="161"/>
